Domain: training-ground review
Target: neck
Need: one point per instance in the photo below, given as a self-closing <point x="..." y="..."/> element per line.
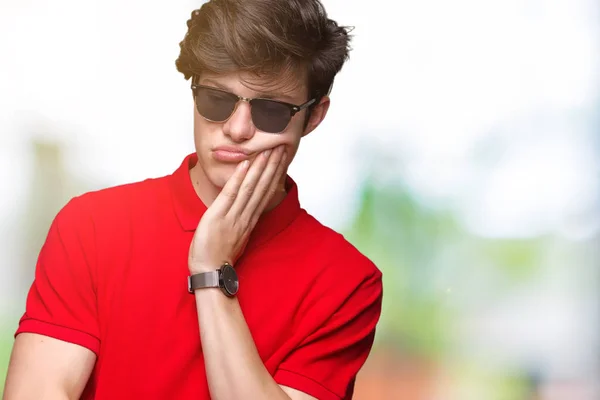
<point x="208" y="192"/>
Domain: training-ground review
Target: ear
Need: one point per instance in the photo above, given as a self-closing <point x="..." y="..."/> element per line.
<point x="317" y="115"/>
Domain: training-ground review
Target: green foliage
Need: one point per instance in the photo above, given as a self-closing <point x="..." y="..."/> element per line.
<point x="416" y="247"/>
<point x="6" y="342"/>
<point x="519" y="259"/>
<point x="404" y="239"/>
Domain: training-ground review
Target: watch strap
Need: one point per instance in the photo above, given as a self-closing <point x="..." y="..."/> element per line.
<point x="204" y="280"/>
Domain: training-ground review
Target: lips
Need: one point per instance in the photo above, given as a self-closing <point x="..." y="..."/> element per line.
<point x="230" y="154"/>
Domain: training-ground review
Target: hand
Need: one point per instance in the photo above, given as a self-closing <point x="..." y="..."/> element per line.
<point x="226" y="225"/>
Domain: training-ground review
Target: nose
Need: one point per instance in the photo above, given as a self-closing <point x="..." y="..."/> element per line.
<point x="239" y="126"/>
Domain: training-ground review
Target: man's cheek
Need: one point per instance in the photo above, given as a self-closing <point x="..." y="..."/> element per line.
<point x="279" y="141"/>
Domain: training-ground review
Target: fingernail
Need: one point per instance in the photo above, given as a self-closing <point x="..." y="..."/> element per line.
<point x="267" y="153"/>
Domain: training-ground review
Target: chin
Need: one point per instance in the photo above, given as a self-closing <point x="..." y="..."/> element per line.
<point x="219" y="175"/>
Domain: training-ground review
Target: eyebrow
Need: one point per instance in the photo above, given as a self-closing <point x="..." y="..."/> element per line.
<point x="272" y="96"/>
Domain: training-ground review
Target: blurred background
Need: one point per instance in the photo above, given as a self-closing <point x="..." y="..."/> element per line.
<point x="461" y="153"/>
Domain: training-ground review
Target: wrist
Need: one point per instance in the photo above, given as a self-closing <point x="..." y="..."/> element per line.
<point x="203" y="276"/>
<point x="201" y="267"/>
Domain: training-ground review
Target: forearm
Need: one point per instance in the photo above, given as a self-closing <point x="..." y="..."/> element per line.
<point x="22" y="384"/>
<point x="233" y="366"/>
<point x="35" y="394"/>
<point x="48" y="368"/>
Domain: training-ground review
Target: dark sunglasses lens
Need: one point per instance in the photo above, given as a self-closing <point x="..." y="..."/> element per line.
<point x="215" y="105"/>
<point x="270" y="116"/>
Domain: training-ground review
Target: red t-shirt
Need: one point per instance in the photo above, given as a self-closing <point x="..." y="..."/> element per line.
<point x="112" y="277"/>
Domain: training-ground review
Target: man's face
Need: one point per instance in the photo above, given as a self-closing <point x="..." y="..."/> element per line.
<point x="220" y="146"/>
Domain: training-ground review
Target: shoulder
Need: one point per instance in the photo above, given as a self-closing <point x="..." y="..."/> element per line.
<point x="338" y="270"/>
<point x="138" y="193"/>
<point x="335" y="251"/>
<point x="99" y="212"/>
<point x="118" y="199"/>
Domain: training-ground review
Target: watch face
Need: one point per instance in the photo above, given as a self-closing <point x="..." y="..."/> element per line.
<point x="230" y="280"/>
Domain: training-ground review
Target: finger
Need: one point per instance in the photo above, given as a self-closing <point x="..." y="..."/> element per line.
<point x="228" y="194"/>
<point x="262" y="187"/>
<point x="249" y="184"/>
<point x="273" y="188"/>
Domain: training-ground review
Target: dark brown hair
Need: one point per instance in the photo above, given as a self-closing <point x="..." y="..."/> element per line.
<point x="268" y="38"/>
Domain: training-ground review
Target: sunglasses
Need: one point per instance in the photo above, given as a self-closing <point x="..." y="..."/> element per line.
<point x="270" y="116"/>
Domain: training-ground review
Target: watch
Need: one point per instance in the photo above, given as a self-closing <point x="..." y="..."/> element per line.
<point x="225" y="278"/>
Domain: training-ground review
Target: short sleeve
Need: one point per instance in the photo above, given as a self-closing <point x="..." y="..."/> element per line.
<point x="61" y="302"/>
<point x="325" y="365"/>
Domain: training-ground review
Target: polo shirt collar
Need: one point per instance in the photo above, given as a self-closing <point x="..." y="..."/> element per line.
<point x="189" y="208"/>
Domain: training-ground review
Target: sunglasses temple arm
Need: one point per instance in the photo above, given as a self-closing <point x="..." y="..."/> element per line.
<point x="307" y="104"/>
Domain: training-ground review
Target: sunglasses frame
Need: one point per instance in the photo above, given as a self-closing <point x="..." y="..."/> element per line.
<point x="294" y="109"/>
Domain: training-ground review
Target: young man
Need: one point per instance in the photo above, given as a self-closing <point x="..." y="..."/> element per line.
<point x="211" y="282"/>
